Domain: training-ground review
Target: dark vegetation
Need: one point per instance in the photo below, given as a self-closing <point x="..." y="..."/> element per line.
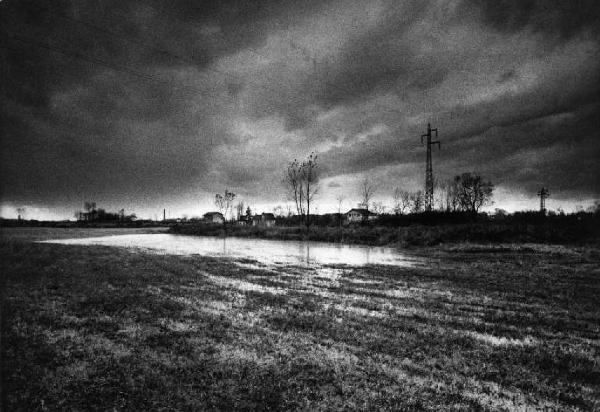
<point x="423" y="229"/>
<point x="113" y="223"/>
<point x="470" y="328"/>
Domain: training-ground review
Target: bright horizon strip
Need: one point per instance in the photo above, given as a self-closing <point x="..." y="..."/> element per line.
<point x="8" y="211"/>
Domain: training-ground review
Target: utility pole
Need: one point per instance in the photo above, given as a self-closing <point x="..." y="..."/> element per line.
<point x="429" y="167"/>
<point x="543" y="194"/>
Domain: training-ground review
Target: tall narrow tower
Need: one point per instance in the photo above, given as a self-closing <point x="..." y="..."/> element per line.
<point x="543" y="194"/>
<point x="429" y="168"/>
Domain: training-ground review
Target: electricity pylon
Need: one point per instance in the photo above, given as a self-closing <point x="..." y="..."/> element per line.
<point x="543" y="194"/>
<point x="429" y="168"/>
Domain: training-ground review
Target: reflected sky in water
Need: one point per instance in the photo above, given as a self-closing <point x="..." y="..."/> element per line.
<point x="271" y="252"/>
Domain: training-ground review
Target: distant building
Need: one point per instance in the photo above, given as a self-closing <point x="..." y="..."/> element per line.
<point x="266" y="219"/>
<point x="88" y="216"/>
<point x="214" y="217"/>
<point x="244" y="221"/>
<point x="360" y="215"/>
<point x="174" y="220"/>
<point x="102" y="216"/>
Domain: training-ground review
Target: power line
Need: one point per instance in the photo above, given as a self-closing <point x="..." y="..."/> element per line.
<point x="429" y="167"/>
<point x="544" y="193"/>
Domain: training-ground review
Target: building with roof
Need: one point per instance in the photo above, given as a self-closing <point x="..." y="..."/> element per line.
<point x="214" y="217"/>
<point x="360" y="215"/>
<point x="266" y="219"/>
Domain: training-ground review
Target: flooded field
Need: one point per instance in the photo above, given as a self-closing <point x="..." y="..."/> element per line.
<point x="163" y="322"/>
<point x="270" y="252"/>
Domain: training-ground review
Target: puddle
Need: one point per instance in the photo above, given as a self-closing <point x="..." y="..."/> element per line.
<point x="269" y="252"/>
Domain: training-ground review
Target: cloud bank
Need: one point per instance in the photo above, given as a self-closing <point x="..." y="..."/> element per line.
<point x="141" y="106"/>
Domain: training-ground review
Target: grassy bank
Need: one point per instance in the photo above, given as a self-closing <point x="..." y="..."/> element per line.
<point x="45" y="233"/>
<point x="473" y="327"/>
<point x="556" y="232"/>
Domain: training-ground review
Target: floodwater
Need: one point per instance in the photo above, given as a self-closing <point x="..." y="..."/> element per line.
<point x="270" y="252"/>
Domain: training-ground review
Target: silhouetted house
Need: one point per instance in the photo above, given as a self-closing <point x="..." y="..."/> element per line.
<point x="172" y="221"/>
<point x="102" y="216"/>
<point x="266" y="219"/>
<point x="360" y="215"/>
<point x="91" y="216"/>
<point x="214" y="217"/>
<point x="244" y="221"/>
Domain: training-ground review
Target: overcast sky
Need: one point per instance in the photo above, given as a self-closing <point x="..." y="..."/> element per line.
<point x="148" y="105"/>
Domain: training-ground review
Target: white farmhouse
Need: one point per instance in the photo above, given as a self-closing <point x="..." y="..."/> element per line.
<point x="360" y="215"/>
<point x="214" y="217"/>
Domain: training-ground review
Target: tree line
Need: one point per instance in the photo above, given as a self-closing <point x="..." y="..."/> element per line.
<point x="94" y="214"/>
<point x="466" y="192"/>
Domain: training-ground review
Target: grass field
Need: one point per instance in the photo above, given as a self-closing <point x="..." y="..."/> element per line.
<point x="473" y="327"/>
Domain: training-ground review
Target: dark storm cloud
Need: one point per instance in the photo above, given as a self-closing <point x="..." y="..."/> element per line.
<point x="559" y="17"/>
<point x="558" y="88"/>
<point x="142" y="101"/>
<point x="378" y="58"/>
<point x="563" y="149"/>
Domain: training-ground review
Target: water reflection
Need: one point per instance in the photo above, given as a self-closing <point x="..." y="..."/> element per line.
<point x="264" y="251"/>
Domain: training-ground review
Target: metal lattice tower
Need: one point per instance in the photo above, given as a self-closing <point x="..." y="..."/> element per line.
<point x="429" y="168"/>
<point x="543" y="194"/>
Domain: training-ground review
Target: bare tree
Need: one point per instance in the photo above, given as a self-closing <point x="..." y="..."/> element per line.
<point x="340" y="199"/>
<point x="401" y="201"/>
<point x="417" y="201"/>
<point x="239" y="209"/>
<point x="220" y="203"/>
<point x="224" y="202"/>
<point x="439" y="195"/>
<point x="450" y="196"/>
<point x="21" y="213"/>
<point x="302" y="182"/>
<point x="229" y="196"/>
<point x="293" y="180"/>
<point x="311" y="180"/>
<point x="594" y="208"/>
<point x="367" y="191"/>
<point x="379" y="208"/>
<point x="473" y="192"/>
